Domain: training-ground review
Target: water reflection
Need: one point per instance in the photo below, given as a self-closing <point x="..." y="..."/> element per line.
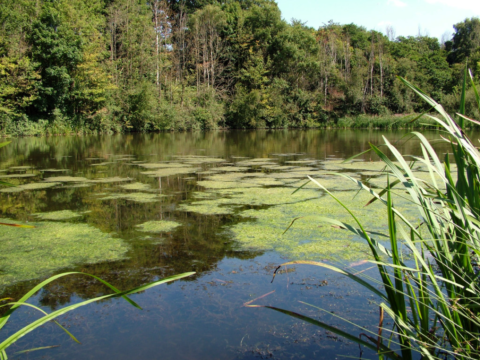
<point x="200" y="317"/>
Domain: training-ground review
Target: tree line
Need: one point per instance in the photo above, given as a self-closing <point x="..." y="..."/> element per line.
<point x="145" y="65"/>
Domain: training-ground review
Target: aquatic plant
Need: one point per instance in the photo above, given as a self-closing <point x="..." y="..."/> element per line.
<point x="14" y="305"/>
<point x="31" y="186"/>
<point x="52" y="246"/>
<point x="158" y="226"/>
<point x="65" y="179"/>
<point x="17" y="176"/>
<point x="171" y="171"/>
<point x="432" y="300"/>
<point x="59" y="215"/>
<point x="139" y="197"/>
<point x="137" y="186"/>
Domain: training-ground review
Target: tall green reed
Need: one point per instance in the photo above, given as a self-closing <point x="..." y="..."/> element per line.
<point x="433" y="300"/>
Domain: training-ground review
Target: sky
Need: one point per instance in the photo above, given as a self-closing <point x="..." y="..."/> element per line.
<point x="407" y="17"/>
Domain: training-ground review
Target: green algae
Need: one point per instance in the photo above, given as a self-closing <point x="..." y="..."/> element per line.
<point x="31" y="186"/>
<point x="254" y="163"/>
<point x="54" y="170"/>
<point x="303" y="168"/>
<point x="209" y="207"/>
<point x="163" y="165"/>
<point x="59" y="215"/>
<point x="158" y="226"/>
<point x="210" y="184"/>
<point x="17" y="176"/>
<point x="137" y="186"/>
<point x="138" y="197"/>
<point x="278" y="167"/>
<point x="103" y="163"/>
<point x="355" y="165"/>
<point x="170" y="172"/>
<point x="231" y="168"/>
<point x="21" y="167"/>
<point x="66" y="179"/>
<point x="108" y="180"/>
<point x="29" y="254"/>
<point x="309" y="238"/>
<point x="307" y="161"/>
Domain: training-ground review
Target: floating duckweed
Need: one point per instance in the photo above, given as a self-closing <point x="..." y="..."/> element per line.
<point x="208" y="172"/>
<point x="111" y="180"/>
<point x="196" y="159"/>
<point x="278" y="167"/>
<point x="311" y="161"/>
<point x="29" y="254"/>
<point x="158" y="226"/>
<point x="20" y="168"/>
<point x="304" y="168"/>
<point x="97" y="158"/>
<point x="190" y="178"/>
<point x="270" y="196"/>
<point x="235" y="176"/>
<point x="208" y="207"/>
<point x="17" y="176"/>
<point x="66" y="179"/>
<point x="58" y="215"/>
<point x="135" y="197"/>
<point x="210" y="184"/>
<point x="355" y="165"/>
<point x="310" y="238"/>
<point x="170" y="172"/>
<point x="54" y="170"/>
<point x="103" y="164"/>
<point x="138" y="186"/>
<point x="262" y="181"/>
<point x="31" y="186"/>
<point x="231" y="168"/>
<point x="163" y="165"/>
<point x="253" y="163"/>
<point x="289" y="154"/>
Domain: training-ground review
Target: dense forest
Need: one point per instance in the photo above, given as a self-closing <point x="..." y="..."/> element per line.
<point x="89" y="66"/>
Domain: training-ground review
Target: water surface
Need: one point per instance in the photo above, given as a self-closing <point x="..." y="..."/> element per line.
<point x="218" y="203"/>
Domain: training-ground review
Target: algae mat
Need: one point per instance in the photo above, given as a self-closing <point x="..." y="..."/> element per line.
<point x="311" y="238"/>
<point x="28" y="254"/>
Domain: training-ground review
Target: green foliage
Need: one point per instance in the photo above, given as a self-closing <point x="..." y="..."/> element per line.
<point x="90" y="66"/>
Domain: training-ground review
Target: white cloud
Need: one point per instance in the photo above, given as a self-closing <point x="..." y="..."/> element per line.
<point x="473" y="5"/>
<point x="398" y="3"/>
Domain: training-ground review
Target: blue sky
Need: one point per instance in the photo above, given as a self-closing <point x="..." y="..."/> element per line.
<point x="433" y="17"/>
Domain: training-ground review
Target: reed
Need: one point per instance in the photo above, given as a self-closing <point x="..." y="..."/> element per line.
<point x="433" y="300"/>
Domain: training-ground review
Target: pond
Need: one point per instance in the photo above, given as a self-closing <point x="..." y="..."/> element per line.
<point x="135" y="208"/>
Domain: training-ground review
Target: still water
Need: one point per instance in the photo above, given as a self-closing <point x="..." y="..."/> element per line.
<point x="135" y="208"/>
